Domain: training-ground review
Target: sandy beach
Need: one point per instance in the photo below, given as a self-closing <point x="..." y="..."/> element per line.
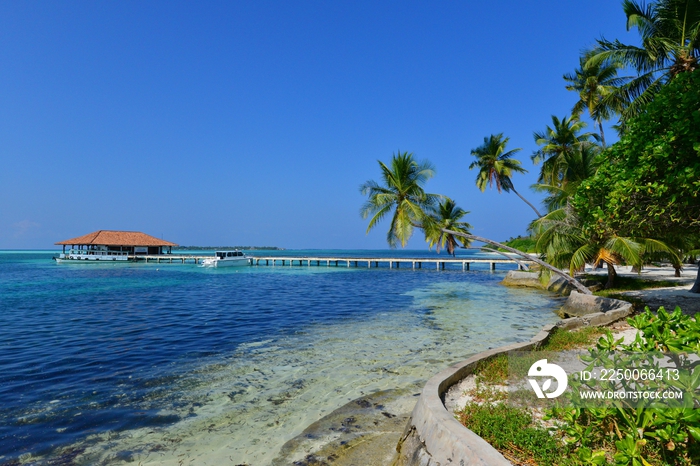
<point x="668" y="297"/>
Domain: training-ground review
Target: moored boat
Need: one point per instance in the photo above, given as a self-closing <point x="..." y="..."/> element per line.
<point x="227" y="259"/>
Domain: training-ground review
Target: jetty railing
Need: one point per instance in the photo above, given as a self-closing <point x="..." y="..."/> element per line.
<point x="391" y="262"/>
<point x="415" y="262"/>
<point x="169" y="258"/>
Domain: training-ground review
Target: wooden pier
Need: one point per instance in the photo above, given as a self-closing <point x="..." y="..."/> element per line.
<point x="392" y="262"/>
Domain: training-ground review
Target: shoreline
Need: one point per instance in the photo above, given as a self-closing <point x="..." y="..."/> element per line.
<point x="375" y="453"/>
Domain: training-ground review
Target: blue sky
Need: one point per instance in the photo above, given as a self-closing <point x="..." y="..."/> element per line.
<point x="255" y="122"/>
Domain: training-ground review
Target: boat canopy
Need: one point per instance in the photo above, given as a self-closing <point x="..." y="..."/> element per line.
<point x="225" y="254"/>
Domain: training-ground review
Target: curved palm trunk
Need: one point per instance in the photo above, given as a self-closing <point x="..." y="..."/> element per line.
<point x="602" y="134"/>
<point x="612" y="275"/>
<point x="526" y="202"/>
<point x="571" y="280"/>
<point x="696" y="286"/>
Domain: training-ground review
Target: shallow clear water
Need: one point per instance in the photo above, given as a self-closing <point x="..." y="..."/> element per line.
<point x="159" y="362"/>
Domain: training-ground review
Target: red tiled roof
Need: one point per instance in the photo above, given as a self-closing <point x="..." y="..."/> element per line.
<point x="117" y="238"/>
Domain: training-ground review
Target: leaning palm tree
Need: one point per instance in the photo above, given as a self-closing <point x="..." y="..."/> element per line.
<point x="670" y="33"/>
<point x="402" y="192"/>
<point x="496" y="166"/>
<point x="558" y="143"/>
<point x="596" y="84"/>
<point x="563" y="243"/>
<point x="446" y="216"/>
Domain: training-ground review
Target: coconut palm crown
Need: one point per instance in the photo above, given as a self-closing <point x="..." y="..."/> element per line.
<point x="596" y="85"/>
<point x="496" y="166"/>
<point x="580" y="165"/>
<point x="446" y="216"/>
<point x="670" y="35"/>
<point x="401" y="193"/>
<point x="557" y="144"/>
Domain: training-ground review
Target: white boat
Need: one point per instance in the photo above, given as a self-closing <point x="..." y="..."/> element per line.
<point x="227" y="259"/>
<point x="99" y="253"/>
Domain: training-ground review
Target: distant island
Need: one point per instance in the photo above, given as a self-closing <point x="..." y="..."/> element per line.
<point x="224" y="248"/>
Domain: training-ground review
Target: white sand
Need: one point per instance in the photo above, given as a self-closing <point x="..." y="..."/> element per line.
<point x="669" y="298"/>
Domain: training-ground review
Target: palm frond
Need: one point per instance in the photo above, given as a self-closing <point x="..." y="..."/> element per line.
<point x="630" y="250"/>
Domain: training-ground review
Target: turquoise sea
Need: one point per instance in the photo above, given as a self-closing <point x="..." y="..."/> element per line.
<point x="152" y="363"/>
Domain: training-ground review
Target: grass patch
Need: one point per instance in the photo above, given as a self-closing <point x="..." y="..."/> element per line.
<point x="511" y="431"/>
<point x="495" y="370"/>
<point x="630" y="283"/>
<point x="562" y="340"/>
<point x="623" y="284"/>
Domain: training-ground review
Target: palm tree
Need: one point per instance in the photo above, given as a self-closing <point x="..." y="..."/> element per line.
<point x="596" y="84"/>
<point x="580" y="165"/>
<point x="402" y="192"/>
<point x="496" y="166"/>
<point x="550" y="268"/>
<point x="446" y="216"/>
<point x="670" y="33"/>
<point x="557" y="147"/>
<point x="563" y="243"/>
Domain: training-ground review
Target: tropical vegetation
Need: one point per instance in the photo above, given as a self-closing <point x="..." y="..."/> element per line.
<point x="447" y="216"/>
<point x="401" y="195"/>
<point x="670" y="45"/>
<point x="621" y="432"/>
<point x="596" y="84"/>
<point x="496" y="166"/>
<point x="560" y="144"/>
<point x="633" y="202"/>
<point x="629" y="203"/>
<point x="649" y="183"/>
